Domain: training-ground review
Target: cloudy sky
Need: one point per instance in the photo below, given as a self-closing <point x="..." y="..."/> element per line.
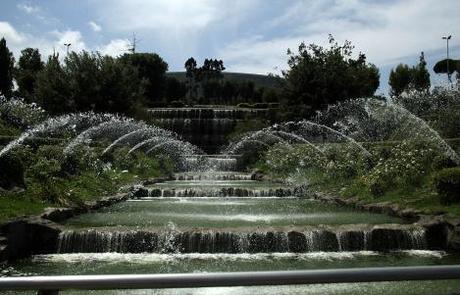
<point x="249" y="35"/>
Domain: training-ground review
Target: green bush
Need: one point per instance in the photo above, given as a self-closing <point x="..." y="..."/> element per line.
<point x="404" y="165"/>
<point x="447" y="182"/>
<point x="11" y="171"/>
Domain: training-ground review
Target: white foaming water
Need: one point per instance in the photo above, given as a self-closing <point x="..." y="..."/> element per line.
<point x="246" y="217"/>
<point x="218" y="200"/>
<point x="147" y="258"/>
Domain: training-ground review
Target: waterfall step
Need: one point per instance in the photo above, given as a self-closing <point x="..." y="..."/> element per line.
<point x="376" y="238"/>
<point x="156" y="192"/>
<point x="214" y="175"/>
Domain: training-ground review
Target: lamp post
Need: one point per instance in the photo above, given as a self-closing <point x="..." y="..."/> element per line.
<point x="447" y="38"/>
<point x="68" y="45"/>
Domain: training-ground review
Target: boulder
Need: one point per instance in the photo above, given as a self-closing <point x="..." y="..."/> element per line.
<point x="140" y="192"/>
<point x="29" y="236"/>
<point x="58" y="214"/>
<point x="297" y="242"/>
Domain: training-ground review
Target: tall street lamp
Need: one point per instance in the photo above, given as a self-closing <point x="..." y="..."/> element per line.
<point x="447" y="38"/>
<point x="68" y="45"/>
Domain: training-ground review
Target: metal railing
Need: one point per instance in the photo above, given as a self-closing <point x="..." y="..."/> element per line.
<point x="47" y="285"/>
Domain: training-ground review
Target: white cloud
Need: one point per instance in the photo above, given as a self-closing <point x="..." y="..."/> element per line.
<point x="385" y="32"/>
<point x="10" y="34"/>
<point x="133" y="15"/>
<point x="115" y="47"/>
<point x="73" y="37"/>
<point x="94" y="26"/>
<point x="28" y="8"/>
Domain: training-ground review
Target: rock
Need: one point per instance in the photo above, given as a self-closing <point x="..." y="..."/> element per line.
<point x="352" y="241"/>
<point x="29" y="236"/>
<point x="58" y="214"/>
<point x="257" y="175"/>
<point x="438" y="235"/>
<point x="140" y="192"/>
<point x="454" y="240"/>
<point x="327" y="241"/>
<point x="409" y="213"/>
<point x="157" y="180"/>
<point x="297" y="242"/>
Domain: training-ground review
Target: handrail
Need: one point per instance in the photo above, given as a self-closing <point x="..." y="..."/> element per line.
<point x="51" y="284"/>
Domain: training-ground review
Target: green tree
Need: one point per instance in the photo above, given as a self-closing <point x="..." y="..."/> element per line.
<point x="103" y="84"/>
<point x="318" y="76"/>
<point x="89" y="82"/>
<point x="404" y="77"/>
<point x="190" y="73"/>
<point x="400" y="79"/>
<point x="420" y="75"/>
<point x="175" y="89"/>
<point x="6" y="69"/>
<point x="453" y="65"/>
<point x="28" y="67"/>
<point x="52" y="88"/>
<point x="152" y="69"/>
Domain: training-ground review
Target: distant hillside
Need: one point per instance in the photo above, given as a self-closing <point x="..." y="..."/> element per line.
<point x="259" y="80"/>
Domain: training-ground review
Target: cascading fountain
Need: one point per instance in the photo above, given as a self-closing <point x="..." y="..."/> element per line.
<point x="214" y="217"/>
<point x="205" y="127"/>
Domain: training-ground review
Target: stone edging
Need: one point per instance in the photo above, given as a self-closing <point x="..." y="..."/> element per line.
<point x="447" y="228"/>
<point x="26" y="236"/>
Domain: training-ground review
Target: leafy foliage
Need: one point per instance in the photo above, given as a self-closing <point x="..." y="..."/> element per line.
<point x="88" y="81"/>
<point x="447" y="182"/>
<point x="6" y="69"/>
<point x="318" y="76"/>
<point x="404" y="78"/>
<point x="29" y="65"/>
<point x="151" y="71"/>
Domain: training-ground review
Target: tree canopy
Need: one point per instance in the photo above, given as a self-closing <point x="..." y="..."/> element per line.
<point x="318" y="76"/>
<point x="151" y="68"/>
<point x="88" y="81"/>
<point x="6" y="69"/>
<point x="27" y="69"/>
<point x="404" y="77"/>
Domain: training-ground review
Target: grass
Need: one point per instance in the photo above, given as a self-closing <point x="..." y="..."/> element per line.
<point x="422" y="197"/>
<point x="87" y="186"/>
<point x="14" y="205"/>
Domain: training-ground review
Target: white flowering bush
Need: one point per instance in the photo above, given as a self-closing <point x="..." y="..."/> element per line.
<point x="283" y="159"/>
<point x="405" y="164"/>
<point x="332" y="161"/>
<point x="345" y="161"/>
<point x="18" y="113"/>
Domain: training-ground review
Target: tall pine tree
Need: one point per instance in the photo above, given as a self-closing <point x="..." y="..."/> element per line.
<point x="6" y="70"/>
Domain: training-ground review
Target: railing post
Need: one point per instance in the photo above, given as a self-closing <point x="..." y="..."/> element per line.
<point x="48" y="292"/>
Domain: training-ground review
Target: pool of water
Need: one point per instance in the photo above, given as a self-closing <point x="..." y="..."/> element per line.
<point x="172" y="216"/>
<point x="116" y="263"/>
<point x="226" y="213"/>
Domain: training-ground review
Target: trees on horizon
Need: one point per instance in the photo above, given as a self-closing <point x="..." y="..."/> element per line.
<point x="404" y="78"/>
<point x="318" y="76"/>
<point x="6" y="69"/>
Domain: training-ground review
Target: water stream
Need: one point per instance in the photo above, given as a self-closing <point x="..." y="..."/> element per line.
<point x="224" y="221"/>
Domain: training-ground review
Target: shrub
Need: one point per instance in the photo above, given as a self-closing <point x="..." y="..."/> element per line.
<point x="404" y="165"/>
<point x="11" y="171"/>
<point x="447" y="182"/>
